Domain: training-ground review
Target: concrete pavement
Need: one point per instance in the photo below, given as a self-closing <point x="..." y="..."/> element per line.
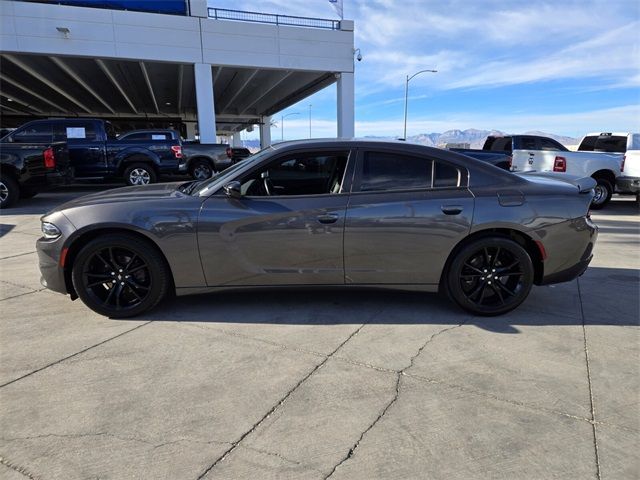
<point x="340" y="384"/>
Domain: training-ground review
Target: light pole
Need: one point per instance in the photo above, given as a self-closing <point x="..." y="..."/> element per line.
<point x="282" y="124"/>
<point x="310" y="120"/>
<point x="406" y="97"/>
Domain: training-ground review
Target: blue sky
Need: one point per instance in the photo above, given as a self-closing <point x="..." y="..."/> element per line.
<point x="564" y="67"/>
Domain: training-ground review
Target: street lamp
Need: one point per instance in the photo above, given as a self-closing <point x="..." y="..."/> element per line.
<point x="406" y="97"/>
<point x="282" y="124"/>
<point x="310" y="120"/>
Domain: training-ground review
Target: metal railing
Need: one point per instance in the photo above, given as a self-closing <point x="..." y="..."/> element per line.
<point x="274" y="19"/>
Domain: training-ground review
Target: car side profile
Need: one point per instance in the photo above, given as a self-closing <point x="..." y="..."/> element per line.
<point x="324" y="213"/>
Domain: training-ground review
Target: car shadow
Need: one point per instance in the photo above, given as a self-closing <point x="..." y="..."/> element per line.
<point x="559" y="305"/>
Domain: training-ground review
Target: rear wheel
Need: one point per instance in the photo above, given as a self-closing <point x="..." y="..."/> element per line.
<point x="120" y="276"/>
<point x="490" y="276"/>
<point x="603" y="191"/>
<point x="201" y="170"/>
<point x="9" y="191"/>
<point x="140" y="174"/>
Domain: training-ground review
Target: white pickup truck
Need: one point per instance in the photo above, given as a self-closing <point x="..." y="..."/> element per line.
<point x="551" y="157"/>
<point x="626" y="143"/>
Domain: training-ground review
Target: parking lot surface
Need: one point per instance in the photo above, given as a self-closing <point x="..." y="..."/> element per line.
<point x="318" y="384"/>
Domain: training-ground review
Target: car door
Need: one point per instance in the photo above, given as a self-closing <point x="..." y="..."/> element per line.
<point x="405" y="215"/>
<point x="286" y="229"/>
<point x="86" y="147"/>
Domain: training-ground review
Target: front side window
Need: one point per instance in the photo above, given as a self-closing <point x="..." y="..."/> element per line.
<point x="549" y="145"/>
<point x="74" y="131"/>
<point x="299" y="174"/>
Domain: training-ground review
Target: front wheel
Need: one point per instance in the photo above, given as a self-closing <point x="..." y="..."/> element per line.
<point x="9" y="191"/>
<point x="603" y="192"/>
<point x="140" y="174"/>
<point x="120" y="276"/>
<point x="490" y="276"/>
<point x="201" y="170"/>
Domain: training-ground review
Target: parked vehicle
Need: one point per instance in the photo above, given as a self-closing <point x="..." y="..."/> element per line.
<point x="201" y="161"/>
<point x="629" y="180"/>
<point x="606" y="142"/>
<point x="547" y="155"/>
<point x="350" y="213"/>
<point x="27" y="169"/>
<point x="96" y="154"/>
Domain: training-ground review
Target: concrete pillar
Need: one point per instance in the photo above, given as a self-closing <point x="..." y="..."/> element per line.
<point x="236" y="140"/>
<point x="198" y="8"/>
<point x="346" y="105"/>
<point x="204" y="101"/>
<point x="191" y="130"/>
<point x="265" y="132"/>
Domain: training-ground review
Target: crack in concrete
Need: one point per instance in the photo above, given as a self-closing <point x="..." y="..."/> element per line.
<point x="431" y="380"/>
<point x="281" y="457"/>
<point x="17" y="255"/>
<point x="277" y="405"/>
<point x="593" y="408"/>
<point x="399" y="375"/>
<point x="73" y="355"/>
<point x="18" y="468"/>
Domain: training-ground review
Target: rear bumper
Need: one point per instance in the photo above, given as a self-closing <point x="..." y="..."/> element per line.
<point x="577" y="254"/>
<point x="628" y="184"/>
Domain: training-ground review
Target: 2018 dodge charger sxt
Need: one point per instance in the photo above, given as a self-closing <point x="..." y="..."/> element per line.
<point x="318" y="213"/>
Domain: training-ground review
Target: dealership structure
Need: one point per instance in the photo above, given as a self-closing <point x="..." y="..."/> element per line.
<point x="215" y="72"/>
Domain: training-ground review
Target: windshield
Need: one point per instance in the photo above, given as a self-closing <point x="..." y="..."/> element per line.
<point x="207" y="187"/>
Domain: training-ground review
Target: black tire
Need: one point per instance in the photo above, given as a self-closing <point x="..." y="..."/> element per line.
<point x="140" y="174"/>
<point x="120" y="276"/>
<point x="471" y="279"/>
<point x="201" y="170"/>
<point x="603" y="190"/>
<point x="9" y="191"/>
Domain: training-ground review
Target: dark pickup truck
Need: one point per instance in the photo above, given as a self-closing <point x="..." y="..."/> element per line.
<point x="26" y="169"/>
<point x="95" y="153"/>
<point x="498" y="150"/>
<point x="200" y="160"/>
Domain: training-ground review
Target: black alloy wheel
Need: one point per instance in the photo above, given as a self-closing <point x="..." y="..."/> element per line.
<point x="120" y="276"/>
<point x="9" y="191"/>
<point x="490" y="276"/>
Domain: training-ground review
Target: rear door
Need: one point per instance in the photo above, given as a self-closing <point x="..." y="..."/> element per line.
<point x="405" y="215"/>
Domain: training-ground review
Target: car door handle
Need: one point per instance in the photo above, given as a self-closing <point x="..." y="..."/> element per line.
<point x="328" y="218"/>
<point x="451" y="209"/>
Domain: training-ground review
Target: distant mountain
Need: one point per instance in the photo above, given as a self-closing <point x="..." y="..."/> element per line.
<point x="475" y="138"/>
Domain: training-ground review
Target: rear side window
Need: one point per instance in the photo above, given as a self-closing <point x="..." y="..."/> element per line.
<point x="390" y="171"/>
<point x="528" y="143"/>
<point x="546" y="144"/>
<point x="501" y="144"/>
<point x="37" y="133"/>
<point x="604" y="143"/>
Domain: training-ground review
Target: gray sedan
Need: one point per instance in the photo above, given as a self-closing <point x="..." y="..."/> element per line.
<point x="324" y="213"/>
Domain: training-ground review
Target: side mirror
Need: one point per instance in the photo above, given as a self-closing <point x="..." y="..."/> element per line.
<point x="233" y="189"/>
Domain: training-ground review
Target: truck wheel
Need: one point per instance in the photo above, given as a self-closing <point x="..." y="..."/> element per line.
<point x="9" y="191"/>
<point x="201" y="170"/>
<point x="603" y="191"/>
<point x="140" y="174"/>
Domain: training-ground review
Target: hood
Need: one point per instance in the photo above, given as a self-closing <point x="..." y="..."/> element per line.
<point x="156" y="191"/>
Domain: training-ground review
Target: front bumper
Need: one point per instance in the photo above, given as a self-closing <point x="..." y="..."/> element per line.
<point x="628" y="184"/>
<point x="52" y="275"/>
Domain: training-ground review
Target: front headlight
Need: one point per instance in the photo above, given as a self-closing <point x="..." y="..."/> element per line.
<point x="50" y="231"/>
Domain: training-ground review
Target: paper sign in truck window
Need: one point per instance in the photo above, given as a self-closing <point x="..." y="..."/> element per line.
<point x="76" y="132"/>
<point x="158" y="137"/>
